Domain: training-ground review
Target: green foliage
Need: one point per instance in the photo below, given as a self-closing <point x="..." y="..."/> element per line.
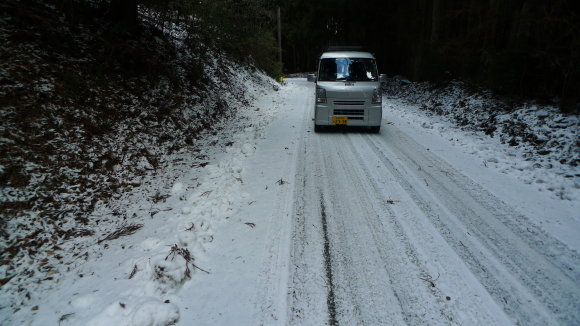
<point x="244" y="30"/>
<point x="241" y="29"/>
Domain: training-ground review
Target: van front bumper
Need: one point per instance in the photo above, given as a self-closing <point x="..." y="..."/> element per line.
<point x="358" y="115"/>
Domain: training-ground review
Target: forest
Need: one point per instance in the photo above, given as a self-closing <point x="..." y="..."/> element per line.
<point x="520" y="48"/>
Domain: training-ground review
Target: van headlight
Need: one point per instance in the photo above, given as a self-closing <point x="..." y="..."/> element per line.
<point x="377" y="98"/>
<point x="320" y="95"/>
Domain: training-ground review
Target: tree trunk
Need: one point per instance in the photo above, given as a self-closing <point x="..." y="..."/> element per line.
<point x="525" y="21"/>
<point x="515" y="24"/>
<point x="420" y="36"/>
<point x="492" y="23"/>
<point x="436" y="19"/>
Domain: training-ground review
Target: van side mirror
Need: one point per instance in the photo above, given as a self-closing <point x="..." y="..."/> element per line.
<point x="382" y="78"/>
<point x="311" y="77"/>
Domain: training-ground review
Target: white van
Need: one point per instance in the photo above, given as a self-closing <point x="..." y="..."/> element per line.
<point x="348" y="89"/>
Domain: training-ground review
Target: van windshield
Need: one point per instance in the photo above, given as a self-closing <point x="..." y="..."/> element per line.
<point x="352" y="69"/>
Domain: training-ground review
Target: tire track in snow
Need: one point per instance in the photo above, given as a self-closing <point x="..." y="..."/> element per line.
<point x="374" y="281"/>
<point x="272" y="299"/>
<point x="360" y="287"/>
<point x="533" y="285"/>
<point x="309" y="287"/>
<point x="409" y="299"/>
<point x="330" y="299"/>
<point x="418" y="259"/>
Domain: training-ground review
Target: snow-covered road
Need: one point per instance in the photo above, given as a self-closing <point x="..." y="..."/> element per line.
<point x="290" y="227"/>
<point x="384" y="231"/>
<point x="365" y="229"/>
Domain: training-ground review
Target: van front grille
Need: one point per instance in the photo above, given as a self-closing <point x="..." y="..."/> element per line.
<point x="349" y="112"/>
<point x="349" y="102"/>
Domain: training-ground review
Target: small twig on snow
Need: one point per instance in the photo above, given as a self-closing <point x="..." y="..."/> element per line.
<point x="122" y="231"/>
<point x="133" y="272"/>
<point x="430" y="281"/>
<point x="184" y="252"/>
<point x="391" y="201"/>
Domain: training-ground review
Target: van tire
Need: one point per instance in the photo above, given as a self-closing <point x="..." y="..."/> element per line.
<point x="375" y="129"/>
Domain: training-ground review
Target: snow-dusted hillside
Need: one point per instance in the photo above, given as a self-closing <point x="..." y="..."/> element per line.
<point x="533" y="141"/>
<point x="86" y="123"/>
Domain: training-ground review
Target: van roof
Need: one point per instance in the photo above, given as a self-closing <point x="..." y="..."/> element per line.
<point x="346" y="54"/>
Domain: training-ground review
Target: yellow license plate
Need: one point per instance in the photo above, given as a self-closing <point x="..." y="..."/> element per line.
<point x="339" y="120"/>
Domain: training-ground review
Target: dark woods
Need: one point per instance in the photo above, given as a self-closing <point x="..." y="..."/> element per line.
<point x="526" y="48"/>
<point x="242" y="29"/>
<point x="522" y="48"/>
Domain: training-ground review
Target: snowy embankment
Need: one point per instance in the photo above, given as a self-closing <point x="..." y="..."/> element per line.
<point x="135" y="279"/>
<point x="535" y="143"/>
<point x="91" y="143"/>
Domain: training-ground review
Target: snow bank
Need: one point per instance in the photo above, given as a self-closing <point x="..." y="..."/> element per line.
<point x="536" y="144"/>
<point x="137" y="312"/>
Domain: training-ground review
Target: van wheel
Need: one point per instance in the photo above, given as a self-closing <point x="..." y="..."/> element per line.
<point x="375" y="129"/>
<point x="317" y="128"/>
